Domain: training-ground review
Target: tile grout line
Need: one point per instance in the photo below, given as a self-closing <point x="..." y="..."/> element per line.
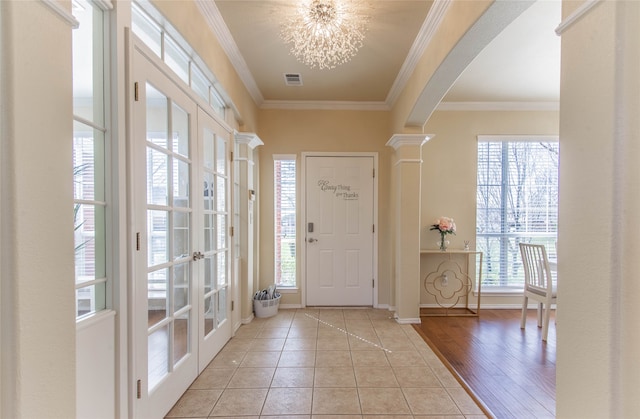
<point x="349" y="333"/>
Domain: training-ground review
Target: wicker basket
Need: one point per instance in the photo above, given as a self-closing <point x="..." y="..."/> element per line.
<point x="266" y="308"/>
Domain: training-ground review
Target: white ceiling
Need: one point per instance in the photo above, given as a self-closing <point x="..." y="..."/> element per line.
<point x="522" y="64"/>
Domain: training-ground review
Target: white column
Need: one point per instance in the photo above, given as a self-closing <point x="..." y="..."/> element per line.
<point x="598" y="367"/>
<point x="37" y="308"/>
<point x="247" y="142"/>
<point x="407" y="165"/>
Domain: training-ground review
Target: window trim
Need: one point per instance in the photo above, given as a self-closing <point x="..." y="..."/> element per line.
<point x="503" y="289"/>
<point x="296" y="285"/>
<point x="218" y="100"/>
<point x="105" y="7"/>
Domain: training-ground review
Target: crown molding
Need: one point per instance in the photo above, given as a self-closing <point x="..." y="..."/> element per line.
<point x="405" y="161"/>
<point x="498" y="106"/>
<point x="250" y="139"/>
<point x="221" y="32"/>
<point x="325" y="105"/>
<point x="423" y="39"/>
<point x="62" y="13"/>
<point x="577" y="14"/>
<point x="104" y="4"/>
<point x="400" y="140"/>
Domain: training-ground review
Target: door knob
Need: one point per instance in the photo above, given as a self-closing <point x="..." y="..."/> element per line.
<point x="311" y="240"/>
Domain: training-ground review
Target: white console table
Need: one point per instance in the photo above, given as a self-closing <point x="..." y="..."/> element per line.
<point x="451" y="284"/>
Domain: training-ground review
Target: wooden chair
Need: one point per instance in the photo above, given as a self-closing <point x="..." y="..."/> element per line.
<point x="538" y="284"/>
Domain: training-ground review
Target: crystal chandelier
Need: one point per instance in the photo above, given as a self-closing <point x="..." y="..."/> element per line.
<point x="325" y="33"/>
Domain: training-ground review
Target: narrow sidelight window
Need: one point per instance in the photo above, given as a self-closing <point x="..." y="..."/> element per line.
<point x="284" y="187"/>
<point x="90" y="150"/>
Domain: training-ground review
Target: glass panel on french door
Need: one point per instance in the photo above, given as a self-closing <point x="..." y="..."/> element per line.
<point x="221" y="156"/>
<point x="158" y="344"/>
<point x="215" y="230"/>
<point x="209" y="313"/>
<point x="181" y="295"/>
<point x="222" y="305"/>
<point x="169" y="278"/>
<point x="181" y="333"/>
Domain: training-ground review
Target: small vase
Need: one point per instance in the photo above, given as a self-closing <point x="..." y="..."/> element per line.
<point x="442" y="244"/>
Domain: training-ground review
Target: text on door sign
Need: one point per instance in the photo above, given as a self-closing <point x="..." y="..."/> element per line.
<point x="339" y="191"/>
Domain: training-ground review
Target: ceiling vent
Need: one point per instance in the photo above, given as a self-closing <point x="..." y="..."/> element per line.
<point x="292" y="79"/>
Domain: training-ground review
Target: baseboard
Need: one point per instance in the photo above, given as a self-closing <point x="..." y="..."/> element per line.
<point x="248" y="319"/>
<point x="290" y="306"/>
<point x="409" y="320"/>
<point x="494" y="306"/>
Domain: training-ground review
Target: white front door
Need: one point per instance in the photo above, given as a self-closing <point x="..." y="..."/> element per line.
<point x="179" y="183"/>
<point x="339" y="230"/>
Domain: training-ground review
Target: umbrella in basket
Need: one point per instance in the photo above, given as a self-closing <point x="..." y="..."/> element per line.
<point x="266" y="302"/>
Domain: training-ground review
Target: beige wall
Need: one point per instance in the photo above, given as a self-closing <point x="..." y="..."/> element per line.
<point x="293" y="132"/>
<point x="449" y="171"/>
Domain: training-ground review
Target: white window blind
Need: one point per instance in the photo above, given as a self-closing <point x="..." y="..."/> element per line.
<point x="517" y="201"/>
<point x="285" y="220"/>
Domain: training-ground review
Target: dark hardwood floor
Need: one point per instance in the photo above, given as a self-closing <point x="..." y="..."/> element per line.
<point x="511" y="371"/>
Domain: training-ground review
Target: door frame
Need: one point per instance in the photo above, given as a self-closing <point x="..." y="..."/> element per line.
<point x="187" y="368"/>
<point x="302" y="231"/>
<point x="135" y="46"/>
<point x="205" y="120"/>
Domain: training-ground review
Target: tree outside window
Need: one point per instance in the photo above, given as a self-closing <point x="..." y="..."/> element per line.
<point x="517" y="201"/>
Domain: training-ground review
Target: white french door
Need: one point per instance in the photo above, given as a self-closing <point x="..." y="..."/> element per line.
<point x="180" y="204"/>
<point x="339" y="230"/>
<point x="214" y="320"/>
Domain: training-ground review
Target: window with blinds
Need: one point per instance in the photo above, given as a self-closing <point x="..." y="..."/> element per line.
<point x="90" y="149"/>
<point x="517" y="201"/>
<point x="177" y="54"/>
<point x="285" y="220"/>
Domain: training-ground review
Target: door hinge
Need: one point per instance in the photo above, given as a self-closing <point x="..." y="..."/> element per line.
<point x="139" y="389"/>
<point x="135" y="91"/>
<point x="231" y="157"/>
<point x="231" y="231"/>
<point x="374" y="172"/>
<point x="232" y="304"/>
<point x="374" y="228"/>
<point x="138" y="241"/>
<point x="373" y="283"/>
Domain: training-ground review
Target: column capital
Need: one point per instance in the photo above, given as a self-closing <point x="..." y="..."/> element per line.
<point x="401" y="140"/>
<point x="249" y="139"/>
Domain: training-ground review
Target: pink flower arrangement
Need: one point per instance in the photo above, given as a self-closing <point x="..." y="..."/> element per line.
<point x="444" y="225"/>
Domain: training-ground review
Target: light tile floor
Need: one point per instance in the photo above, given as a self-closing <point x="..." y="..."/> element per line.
<point x="326" y="363"/>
